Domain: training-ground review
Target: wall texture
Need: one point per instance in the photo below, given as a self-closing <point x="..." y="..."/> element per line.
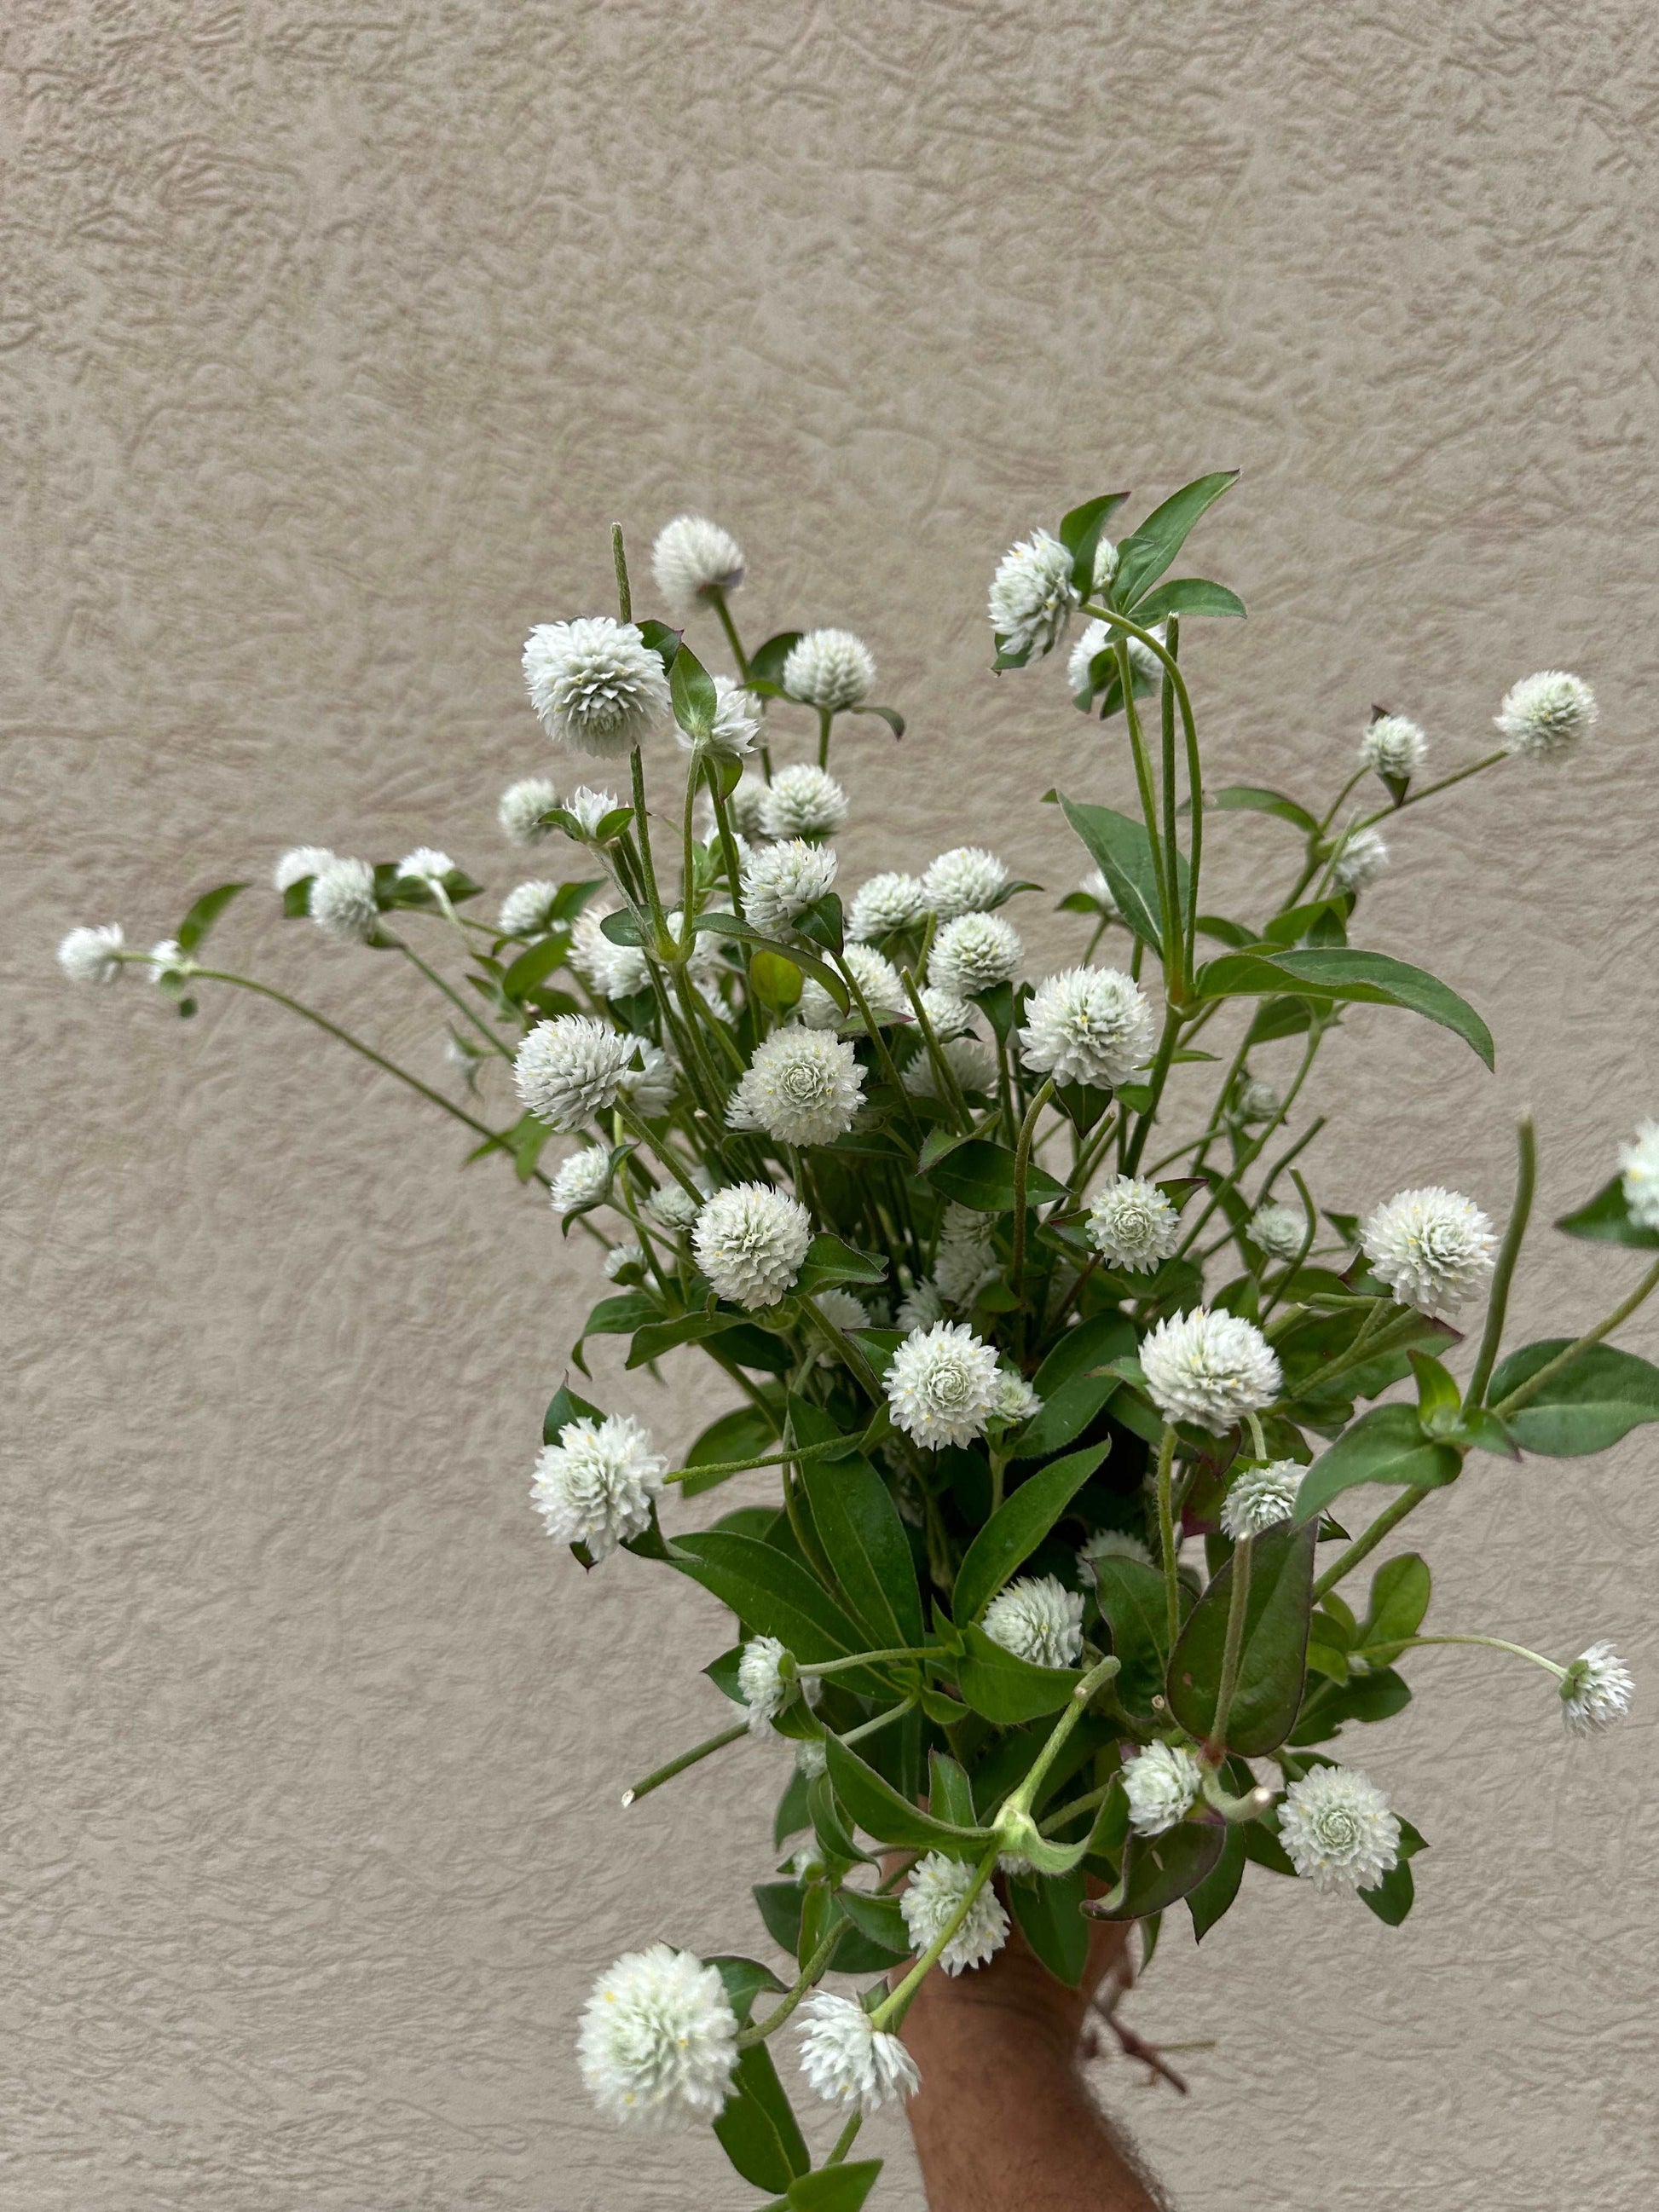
<point x="330" y="341"/>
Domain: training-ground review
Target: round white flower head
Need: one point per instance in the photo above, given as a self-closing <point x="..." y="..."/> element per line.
<point x="649" y="1088"/>
<point x="942" y="1385"/>
<point x="1597" y="1691"/>
<point x="810" y="1757"/>
<point x="1393" y="746"/>
<point x="1095" y="886"/>
<point x="829" y="668"/>
<point x="1015" y="1400"/>
<point x="569" y="1070"/>
<point x="765" y="1690"/>
<point x="342" y="901"/>
<point x="886" y="903"/>
<point x="297" y="863"/>
<point x="91" y="956"/>
<point x="1113" y="1544"/>
<point x="736" y="725"/>
<point x="963" y="1260"/>
<point x="675" y="1210"/>
<point x="1544" y="716"/>
<point x="527" y="910"/>
<point x="1133" y="1223"/>
<point x="974" y="953"/>
<point x="692" y="558"/>
<point x="1209" y="1367"/>
<point x="521" y="807"/>
<point x="1430" y="1246"/>
<point x="1160" y="1783"/>
<point x="1278" y="1230"/>
<point x="1260" y="1498"/>
<point x="620" y="1257"/>
<point x="803" y="1087"/>
<point x="970" y="1059"/>
<point x="1336" y="1825"/>
<point x="965" y="880"/>
<point x="1639" y="1162"/>
<point x="615" y="971"/>
<point x="1364" y="857"/>
<point x="659" y="2039"/>
<point x="803" y="801"/>
<point x="921" y="1307"/>
<point x="1037" y="1618"/>
<point x="849" y="2062"/>
<point x="938" y="1885"/>
<point x="781" y="881"/>
<point x="948" y="1016"/>
<point x="877" y="978"/>
<point x="582" y="1180"/>
<point x="843" y="1311"/>
<point x="595" y="1486"/>
<point x="1087" y="1025"/>
<point x="589" y="808"/>
<point x="168" y="958"/>
<point x="751" y="1241"/>
<point x="744" y="803"/>
<point x="425" y="865"/>
<point x="595" y="684"/>
<point x="1257" y="1100"/>
<point x="1032" y="595"/>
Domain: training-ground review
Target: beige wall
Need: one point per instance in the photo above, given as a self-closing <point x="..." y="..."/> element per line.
<point x="333" y="340"/>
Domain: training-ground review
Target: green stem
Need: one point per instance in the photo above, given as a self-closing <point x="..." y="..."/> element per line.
<point x="1526" y="1176"/>
<point x="746" y="1466"/>
<point x="810" y="1973"/>
<point x="1524" y="1393"/>
<point x="655" y="1781"/>
<point x="1414" y="797"/>
<point x="1488" y="1642"/>
<point x="1172" y="848"/>
<point x="893" y="2009"/>
<point x="845" y="2140"/>
<point x="716" y="598"/>
<point x="943" y="1074"/>
<point x="1021" y="1174"/>
<point x="1233" y="1650"/>
<point x="619" y="560"/>
<point x="658" y="919"/>
<point x="1170" y="949"/>
<point x="466" y="1012"/>
<point x="636" y="1128"/>
<point x="1363" y="1547"/>
<point x="728" y="843"/>
<point x="874" y="1659"/>
<point x="1166" y="1531"/>
<point x="1166" y="1045"/>
<point x="825" y="719"/>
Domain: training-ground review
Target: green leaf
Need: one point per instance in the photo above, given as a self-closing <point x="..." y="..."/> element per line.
<point x="617" y="1316"/>
<point x="1123" y="853"/>
<point x="1018" y="1526"/>
<point x="1187" y="595"/>
<point x="1366" y="1698"/>
<point x="766" y="662"/>
<point x="891" y="716"/>
<point x="1135" y="1611"/>
<point x="1605" y="1220"/>
<point x="862" y="1536"/>
<point x="980" y="1175"/>
<point x="1080" y="531"/>
<point x="1072" y="1393"/>
<point x="950" y="1794"/>
<point x="745" y="1979"/>
<point x="1049" y="1915"/>
<point x="1161" y="1869"/>
<point x="828" y="1261"/>
<point x="1394" y="1896"/>
<point x="1313" y="921"/>
<point x="773" y="1596"/>
<point x="1143" y="557"/>
<point x="1334" y="975"/>
<point x="565" y="1408"/>
<point x="1272" y="1662"/>
<point x="799" y="1927"/>
<point x="776" y="980"/>
<point x="827" y="1823"/>
<point x="756" y="2129"/>
<point x="1439" y="1400"/>
<point x="878" y="1919"/>
<point x="1386" y="1445"/>
<point x="193" y="929"/>
<point x="742" y="1434"/>
<point x="1256" y="798"/>
<point x="535" y="965"/>
<point x="692" y="690"/>
<point x="831" y="2189"/>
<point x="1215" y="1893"/>
<point x="1007" y="1690"/>
<point x="722" y="924"/>
<point x="871" y="1800"/>
<point x="1400" y="1591"/>
<point x="1604" y="1394"/>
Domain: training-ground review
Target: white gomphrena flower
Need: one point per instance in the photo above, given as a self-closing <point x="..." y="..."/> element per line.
<point x="1015" y="1400"/>
<point x="1260" y="1498"/>
<point x="843" y="1311"/>
<point x="673" y="1209"/>
<point x="692" y="558"/>
<point x="1336" y="1825"/>
<point x="942" y="1385"/>
<point x="620" y="1257"/>
<point x="803" y="801"/>
<point x="974" y="953"/>
<point x="744" y="803"/>
<point x="766" y="1688"/>
<point x="877" y="978"/>
<point x="1431" y="1246"/>
<point x="948" y="1016"/>
<point x="1161" y="1783"/>
<point x="1113" y="1544"/>
<point x="1257" y="1100"/>
<point x="167" y="958"/>
<point x="963" y="1262"/>
<point x="595" y="684"/>
<point x="751" y="1241"/>
<point x="1393" y="746"/>
<point x="736" y="725"/>
<point x="342" y="901"/>
<point x="829" y="668"/>
<point x="1545" y="716"/>
<point x="582" y="1180"/>
<point x="297" y="863"/>
<point x="811" y="1758"/>
<point x="1087" y="1025"/>
<point x="659" y="2039"/>
<point x="848" y="2062"/>
<point x="1209" y="1367"/>
<point x="1597" y="1691"/>
<point x="569" y="1070"/>
<point x="1278" y="1230"/>
<point x="596" y="1484"/>
<point x="425" y="865"/>
<point x="527" y="910"/>
<point x="1092" y="642"/>
<point x="1639" y="1164"/>
<point x="781" y="881"/>
<point x="1095" y="886"/>
<point x="970" y="1059"/>
<point x="1133" y="1224"/>
<point x="93" y="956"/>
<point x="1364" y="857"/>
<point x="802" y="1087"/>
<point x="521" y="809"/>
<point x="1039" y="1620"/>
<point x="887" y="902"/>
<point x="649" y="1088"/>
<point x="615" y="971"/>
<point x="937" y="1887"/>
<point x="965" y="880"/>
<point x="1032" y="595"/>
<point x="589" y="808"/>
<point x="921" y="1307"/>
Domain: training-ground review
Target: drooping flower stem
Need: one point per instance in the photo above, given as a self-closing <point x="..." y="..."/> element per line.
<point x="810" y="1972"/>
<point x="1429" y="790"/>
<point x="1362" y="1547"/>
<point x="845" y="2140"/>
<point x="889" y="2014"/>
<point x="716" y="598"/>
<point x="1524" y="1393"/>
<point x="1233" y="1650"/>
<point x="1166" y="1530"/>
<point x="876" y="1659"/>
<point x="745" y="1466"/>
<point x="454" y="998"/>
<point x="654" y="1781"/>
<point x="1525" y="1176"/>
<point x="1487" y="1642"/>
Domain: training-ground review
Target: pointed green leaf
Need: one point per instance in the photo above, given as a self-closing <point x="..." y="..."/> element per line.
<point x="193" y="929"/>
<point x="692" y="690"/>
<point x="1123" y="852"/>
<point x="831" y="2189"/>
<point x="1256" y="799"/>
<point x="1187" y="595"/>
<point x="871" y="1800"/>
<point x="1015" y="1530"/>
<point x="1147" y="552"/>
<point x="744" y="1433"/>
<point x="1272" y="1662"/>
<point x="1161" y="1869"/>
<point x="1134" y="1609"/>
<point x="1385" y="1445"/>
<point x="756" y="2129"/>
<point x="1007" y="1690"/>
<point x="1604" y="1394"/>
<point x="1606" y="1220"/>
<point x="1215" y="1893"/>
<point x="862" y="1536"/>
<point x="773" y="1596"/>
<point x="722" y="924"/>
<point x="1339" y="974"/>
<point x="1050" y="1918"/>
<point x="1071" y="1390"/>
<point x="979" y="1174"/>
<point x="1400" y="1591"/>
<point x="829" y="1261"/>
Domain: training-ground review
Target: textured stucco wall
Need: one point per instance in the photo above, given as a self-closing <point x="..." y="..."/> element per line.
<point x="331" y="340"/>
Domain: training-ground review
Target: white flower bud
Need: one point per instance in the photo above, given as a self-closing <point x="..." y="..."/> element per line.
<point x="1032" y="595"/>
<point x="620" y="1257"/>
<point x="425" y="865"/>
<point x="736" y="722"/>
<point x="885" y="903"/>
<point x="596" y="1484"/>
<point x="1112" y="1544"/>
<point x="342" y="901"/>
<point x="1161" y="1783"/>
<point x="781" y="881"/>
<point x="766" y="1690"/>
<point x="877" y="978"/>
<point x="1257" y="1100"/>
<point x="974" y="953"/>
<point x="1038" y="1619"/>
<point x="581" y="1180"/>
<point x="1545" y="716"/>
<point x="521" y="807"/>
<point x="1363" y="856"/>
<point x="970" y="1059"/>
<point x="848" y="2062"/>
<point x="933" y="1896"/>
<point x="1133" y="1224"/>
<point x="527" y="910"/>
<point x="1597" y="1691"/>
<point x="803" y="801"/>
<point x="1639" y="1162"/>
<point x="692" y="558"/>
<point x="965" y="880"/>
<point x="1278" y="1230"/>
<point x="297" y="863"/>
<point x="569" y="1070"/>
<point x="1393" y="746"/>
<point x="802" y="1087"/>
<point x="829" y="668"/>
<point x="91" y="956"/>
<point x="1259" y="1498"/>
